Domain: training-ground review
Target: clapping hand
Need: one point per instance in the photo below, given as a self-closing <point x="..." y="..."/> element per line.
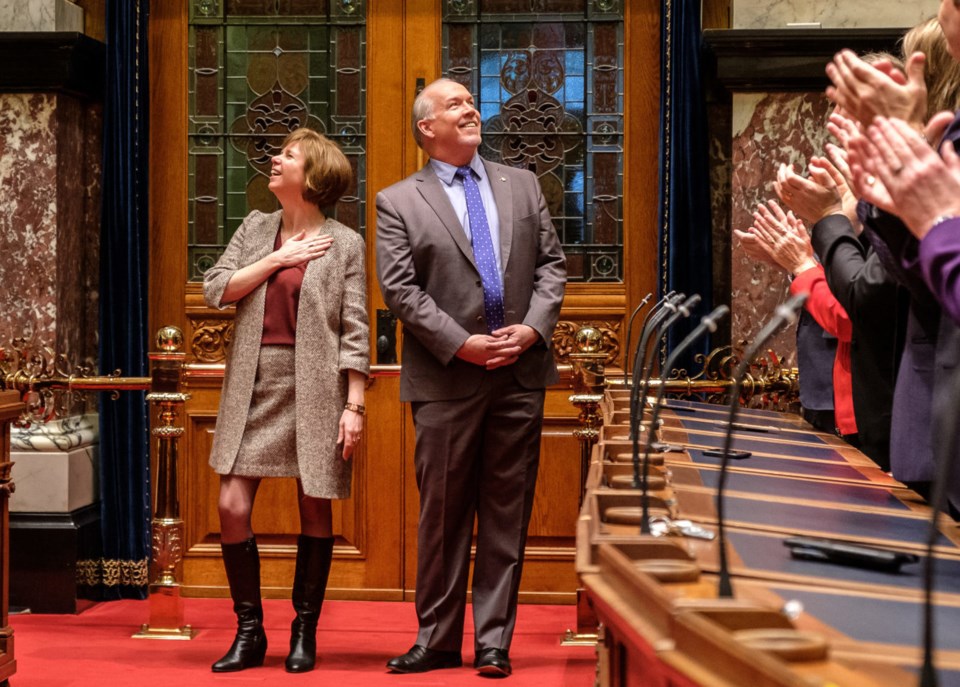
<point x="919" y="185"/>
<point x="783" y="237"/>
<point x="866" y="91"/>
<point x="812" y="198"/>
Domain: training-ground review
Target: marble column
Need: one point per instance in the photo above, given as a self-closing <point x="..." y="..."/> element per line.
<point x="50" y="167"/>
<point x="768" y="129"/>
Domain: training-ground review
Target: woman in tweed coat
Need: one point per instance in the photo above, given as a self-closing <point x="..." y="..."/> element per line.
<point x="292" y="400"/>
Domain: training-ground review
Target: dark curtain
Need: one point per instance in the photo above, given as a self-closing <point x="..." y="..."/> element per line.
<point x="124" y="425"/>
<point x="685" y="227"/>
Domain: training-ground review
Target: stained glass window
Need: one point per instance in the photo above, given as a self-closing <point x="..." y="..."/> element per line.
<point x="547" y="76"/>
<point x="258" y="70"/>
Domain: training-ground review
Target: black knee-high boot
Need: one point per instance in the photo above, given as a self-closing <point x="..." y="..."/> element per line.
<point x="314" y="555"/>
<point x="242" y="562"/>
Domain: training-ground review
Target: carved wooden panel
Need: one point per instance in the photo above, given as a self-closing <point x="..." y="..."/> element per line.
<point x="367" y="526"/>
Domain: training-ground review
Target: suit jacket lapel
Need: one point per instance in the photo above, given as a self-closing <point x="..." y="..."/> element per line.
<point x="503" y="195"/>
<point x="429" y="187"/>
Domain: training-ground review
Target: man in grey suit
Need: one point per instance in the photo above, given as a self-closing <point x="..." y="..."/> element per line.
<point x="468" y="260"/>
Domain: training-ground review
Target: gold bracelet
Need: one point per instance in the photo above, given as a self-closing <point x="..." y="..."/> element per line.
<point x="355" y="407"/>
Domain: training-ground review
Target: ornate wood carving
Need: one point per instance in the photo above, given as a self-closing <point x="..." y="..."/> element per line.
<point x="210" y="340"/>
<point x="564" y="339"/>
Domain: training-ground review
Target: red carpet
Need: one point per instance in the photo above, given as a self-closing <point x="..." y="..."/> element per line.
<point x="356" y="638"/>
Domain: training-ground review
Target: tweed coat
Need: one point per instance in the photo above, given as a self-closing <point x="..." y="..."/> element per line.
<point x="331" y="338"/>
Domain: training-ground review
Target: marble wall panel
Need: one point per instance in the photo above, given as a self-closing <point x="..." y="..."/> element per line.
<point x="40" y="15"/>
<point x="28" y="216"/>
<point x="832" y="14"/>
<point x="50" y="221"/>
<point x="768" y="128"/>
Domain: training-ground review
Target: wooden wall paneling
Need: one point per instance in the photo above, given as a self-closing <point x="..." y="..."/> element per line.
<point x="168" y="163"/>
<point x="94" y="18"/>
<point x="715" y="14"/>
<point x="641" y="149"/>
<point x="386" y="116"/>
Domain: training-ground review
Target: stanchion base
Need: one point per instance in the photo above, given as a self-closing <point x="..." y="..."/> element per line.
<point x="166" y="614"/>
<point x="571" y="638"/>
<point x="147" y="632"/>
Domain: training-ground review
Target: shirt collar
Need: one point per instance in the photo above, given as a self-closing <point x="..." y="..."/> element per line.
<point x="447" y="172"/>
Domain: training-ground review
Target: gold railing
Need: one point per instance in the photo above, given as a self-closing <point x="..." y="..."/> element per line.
<point x="44" y="378"/>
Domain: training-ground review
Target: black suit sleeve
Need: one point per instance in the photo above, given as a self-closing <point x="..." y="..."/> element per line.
<point x="854" y="273"/>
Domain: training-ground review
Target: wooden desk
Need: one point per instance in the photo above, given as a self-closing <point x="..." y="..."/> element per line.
<point x="865" y="623"/>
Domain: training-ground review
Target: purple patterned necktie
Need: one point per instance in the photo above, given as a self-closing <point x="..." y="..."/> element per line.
<point x="483" y="253"/>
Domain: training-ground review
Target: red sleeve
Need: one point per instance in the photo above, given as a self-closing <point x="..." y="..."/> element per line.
<point x="822" y="304"/>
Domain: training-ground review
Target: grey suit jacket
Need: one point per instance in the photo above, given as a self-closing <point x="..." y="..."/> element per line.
<point x="332" y="337"/>
<point x="430" y="281"/>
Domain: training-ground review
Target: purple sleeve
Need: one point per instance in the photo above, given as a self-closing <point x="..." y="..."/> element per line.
<point x="940" y="262"/>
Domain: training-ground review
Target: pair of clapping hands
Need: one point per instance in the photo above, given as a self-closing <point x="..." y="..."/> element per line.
<point x="886" y="157"/>
<point x="777" y="238"/>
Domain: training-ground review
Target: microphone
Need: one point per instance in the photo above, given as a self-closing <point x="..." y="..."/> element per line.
<point x="783" y="315"/>
<point x="633" y="315"/>
<point x="944" y="407"/>
<point x="683" y="310"/>
<point x="654" y="317"/>
<point x="676" y="313"/>
<point x="708" y="324"/>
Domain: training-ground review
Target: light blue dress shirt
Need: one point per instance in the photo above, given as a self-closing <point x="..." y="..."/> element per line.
<point x="453" y="187"/>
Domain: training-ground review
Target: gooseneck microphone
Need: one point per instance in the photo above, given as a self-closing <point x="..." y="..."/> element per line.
<point x="708" y="324"/>
<point x="683" y="310"/>
<point x="675" y="314"/>
<point x="783" y="315"/>
<point x="633" y="315"/>
<point x="667" y="306"/>
<point x="944" y="413"/>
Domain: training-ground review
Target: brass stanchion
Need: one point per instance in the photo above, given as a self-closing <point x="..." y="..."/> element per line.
<point x="166" y="604"/>
<point x="588" y="380"/>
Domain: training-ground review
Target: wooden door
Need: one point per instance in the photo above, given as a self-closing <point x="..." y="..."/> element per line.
<point x="407" y="43"/>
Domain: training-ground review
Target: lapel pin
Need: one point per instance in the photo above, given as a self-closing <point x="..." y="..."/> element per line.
<point x="503" y="178"/>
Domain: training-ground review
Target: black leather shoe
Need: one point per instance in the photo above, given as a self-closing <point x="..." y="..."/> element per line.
<point x="420" y="659"/>
<point x="493" y="663"/>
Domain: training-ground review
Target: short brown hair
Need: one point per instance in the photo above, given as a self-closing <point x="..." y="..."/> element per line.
<point x="327" y="173"/>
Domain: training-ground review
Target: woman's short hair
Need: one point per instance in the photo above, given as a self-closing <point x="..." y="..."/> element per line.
<point x="327" y="173"/>
<point x="941" y="72"/>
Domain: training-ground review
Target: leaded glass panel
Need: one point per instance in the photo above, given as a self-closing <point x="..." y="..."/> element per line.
<point x="547" y="76"/>
<point x="258" y="70"/>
